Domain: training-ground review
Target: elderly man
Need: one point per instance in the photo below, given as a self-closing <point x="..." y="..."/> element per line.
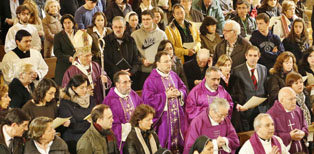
<point x="122" y="100"/>
<point x="264" y="140"/>
<point x="213" y="123"/>
<point x="204" y="93"/>
<point x="99" y="137"/>
<point x="233" y="44"/>
<point x="290" y="124"/>
<point x="195" y="69"/>
<point x="166" y="93"/>
<point x="11" y="132"/>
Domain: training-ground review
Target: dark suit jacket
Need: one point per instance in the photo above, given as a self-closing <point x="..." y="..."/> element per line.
<point x="63" y="49"/>
<point x="18" y="144"/>
<point x="68" y="6"/>
<point x="238" y="53"/>
<point x="19" y="94"/>
<point x="193" y="72"/>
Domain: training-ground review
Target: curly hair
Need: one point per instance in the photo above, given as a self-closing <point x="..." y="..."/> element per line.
<point x="278" y="66"/>
<point x="140" y="113"/>
<point x="42" y="88"/>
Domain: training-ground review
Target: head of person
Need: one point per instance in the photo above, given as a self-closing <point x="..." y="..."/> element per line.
<point x="212" y="77"/>
<point x="17" y="121"/>
<point x="287" y="98"/>
<point x="208" y="2"/>
<point x="23" y="13"/>
<point x="295" y="81"/>
<point x="202" y="57"/>
<point x="118" y="26"/>
<point x="252" y="56"/>
<point x="23" y="40"/>
<point x="158" y="15"/>
<point x="147" y="2"/>
<point x="25" y="73"/>
<point x="307" y="59"/>
<point x="142" y="117"/>
<point x="90" y="4"/>
<point x="208" y="26"/>
<point x="218" y="109"/>
<point x="264" y="126"/>
<point x="41" y="130"/>
<point x="243" y="7"/>
<point x="123" y="82"/>
<point x="132" y="19"/>
<point x="77" y="86"/>
<point x="178" y="13"/>
<point x="288" y="9"/>
<point x="147" y="19"/>
<point x="83" y="46"/>
<point x="224" y="64"/>
<point x="270" y="3"/>
<point x="34" y="15"/>
<point x="52" y="7"/>
<point x="68" y="23"/>
<point x="166" y="46"/>
<point x="231" y="30"/>
<point x="4" y="97"/>
<point x="262" y="23"/>
<point x="163" y="62"/>
<point x="202" y="145"/>
<point x="298" y="30"/>
<point x="99" y="20"/>
<point x="46" y="91"/>
<point x="285" y="63"/>
<point x="187" y="4"/>
<point x="120" y="2"/>
<point x="102" y="115"/>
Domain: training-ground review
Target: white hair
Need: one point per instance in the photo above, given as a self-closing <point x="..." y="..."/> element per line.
<point x="235" y="26"/>
<point x="203" y="53"/>
<point x="258" y="120"/>
<point x="219" y="102"/>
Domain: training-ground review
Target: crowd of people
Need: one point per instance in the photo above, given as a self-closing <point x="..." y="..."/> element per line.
<point x="156" y="76"/>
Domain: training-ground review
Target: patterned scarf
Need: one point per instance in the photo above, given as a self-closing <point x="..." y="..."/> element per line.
<point x="302" y="43"/>
<point x="301" y="103"/>
<point x="83" y="101"/>
<point x="284" y="25"/>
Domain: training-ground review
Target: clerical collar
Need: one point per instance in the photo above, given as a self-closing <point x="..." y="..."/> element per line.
<point x="119" y="94"/>
<point x="213" y="122"/>
<point x="22" y="54"/>
<point x="264" y="139"/>
<point x="207" y="87"/>
<point x="162" y="74"/>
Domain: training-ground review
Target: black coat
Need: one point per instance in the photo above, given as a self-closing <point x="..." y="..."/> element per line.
<point x="69" y="6"/>
<point x="19" y="94"/>
<point x="133" y="145"/>
<point x="274" y="84"/>
<point x="18" y="144"/>
<point x="293" y="47"/>
<point x="58" y="146"/>
<point x="114" y="10"/>
<point x="193" y="72"/>
<point x="63" y="49"/>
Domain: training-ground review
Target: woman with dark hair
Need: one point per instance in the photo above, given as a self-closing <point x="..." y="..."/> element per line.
<point x="142" y="138"/>
<point x="297" y="41"/>
<point x="4" y="101"/>
<point x="209" y="37"/>
<point x="202" y="145"/>
<point x="76" y="103"/>
<point x="271" y="7"/>
<point x="306" y="67"/>
<point x="44" y="102"/>
<point x="98" y="31"/>
<point x="63" y="47"/>
<point x="117" y="8"/>
<point x="42" y="138"/>
<point x="285" y="63"/>
<point x="159" y="18"/>
<point x="166" y="45"/>
<point x="132" y="22"/>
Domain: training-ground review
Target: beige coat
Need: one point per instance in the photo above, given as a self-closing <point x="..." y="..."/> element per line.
<point x="51" y="27"/>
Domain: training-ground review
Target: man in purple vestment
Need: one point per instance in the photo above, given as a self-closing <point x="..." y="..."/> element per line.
<point x="122" y="100"/>
<point x="204" y="93"/>
<point x="290" y="124"/>
<point x="214" y="124"/>
<point x="165" y="92"/>
<point x="84" y="65"/>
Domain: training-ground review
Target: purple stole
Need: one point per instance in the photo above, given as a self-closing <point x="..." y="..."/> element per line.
<point x="127" y="106"/>
<point x="210" y="98"/>
<point x="258" y="147"/>
<point x="173" y="115"/>
<point x="292" y="125"/>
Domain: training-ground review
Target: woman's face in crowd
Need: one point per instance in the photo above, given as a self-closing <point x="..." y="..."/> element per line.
<point x="53" y="8"/>
<point x="297" y="86"/>
<point x="133" y="21"/>
<point x="298" y="28"/>
<point x="50" y="94"/>
<point x="146" y="123"/>
<point x="68" y="25"/>
<point x="208" y="149"/>
<point x="290" y="12"/>
<point x="272" y="3"/>
<point x="5" y="101"/>
<point x="211" y="29"/>
<point x="82" y="89"/>
<point x="100" y="21"/>
<point x="169" y="49"/>
<point x="226" y="68"/>
<point x="157" y="17"/>
<point x="119" y="1"/>
<point x="287" y="65"/>
<point x="310" y="59"/>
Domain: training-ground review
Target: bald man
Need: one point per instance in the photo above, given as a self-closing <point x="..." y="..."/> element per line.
<point x="290" y="124"/>
<point x="195" y="68"/>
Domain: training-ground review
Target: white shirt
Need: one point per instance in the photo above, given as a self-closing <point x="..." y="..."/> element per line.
<point x="98" y="33"/>
<point x="119" y="94"/>
<point x="7" y="137"/>
<point x="13" y="6"/>
<point x="255" y="72"/>
<point x="41" y="150"/>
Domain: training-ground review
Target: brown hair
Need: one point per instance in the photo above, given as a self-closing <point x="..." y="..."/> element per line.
<point x="37" y="127"/>
<point x="222" y="60"/>
<point x="279" y="61"/>
<point x="140" y="113"/>
<point x="253" y="47"/>
<point x="160" y="11"/>
<point x="98" y="111"/>
<point x="292" y="77"/>
<point x="262" y="16"/>
<point x="99" y="14"/>
<point x="34" y="17"/>
<point x="286" y="5"/>
<point x="3" y="89"/>
<point x="292" y="36"/>
<point x="265" y="5"/>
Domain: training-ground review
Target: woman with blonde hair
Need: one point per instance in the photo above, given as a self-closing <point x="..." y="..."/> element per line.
<point x="34" y="17"/>
<point x="224" y="63"/>
<point x="4" y="100"/>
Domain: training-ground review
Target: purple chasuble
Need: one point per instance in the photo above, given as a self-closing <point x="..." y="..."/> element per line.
<point x="169" y="124"/>
<point x="201" y="125"/>
<point x="258" y="147"/>
<point x="96" y="72"/>
<point x="200" y="97"/>
<point x="285" y="122"/>
<point x="122" y="110"/>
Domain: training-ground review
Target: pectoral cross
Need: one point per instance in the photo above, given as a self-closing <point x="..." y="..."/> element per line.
<point x="290" y="124"/>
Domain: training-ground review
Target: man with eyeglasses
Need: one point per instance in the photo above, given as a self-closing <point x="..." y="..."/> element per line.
<point x="290" y="124"/>
<point x="213" y="123"/>
<point x="166" y="93"/>
<point x="147" y="40"/>
<point x="122" y="100"/>
<point x="204" y="93"/>
<point x="233" y="44"/>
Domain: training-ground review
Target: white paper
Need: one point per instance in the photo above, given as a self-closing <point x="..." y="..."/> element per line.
<point x="312" y="92"/>
<point x="310" y="137"/>
<point x="304" y="78"/>
<point x="190" y="45"/>
<point x="126" y="129"/>
<point x="59" y="121"/>
<point x="253" y="102"/>
<point x="197" y="25"/>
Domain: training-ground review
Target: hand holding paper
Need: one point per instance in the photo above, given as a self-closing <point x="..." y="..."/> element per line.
<point x="59" y="121"/>
<point x="253" y="102"/>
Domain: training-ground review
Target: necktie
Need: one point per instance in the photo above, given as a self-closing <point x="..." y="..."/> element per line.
<point x="254" y="78"/>
<point x="11" y="145"/>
